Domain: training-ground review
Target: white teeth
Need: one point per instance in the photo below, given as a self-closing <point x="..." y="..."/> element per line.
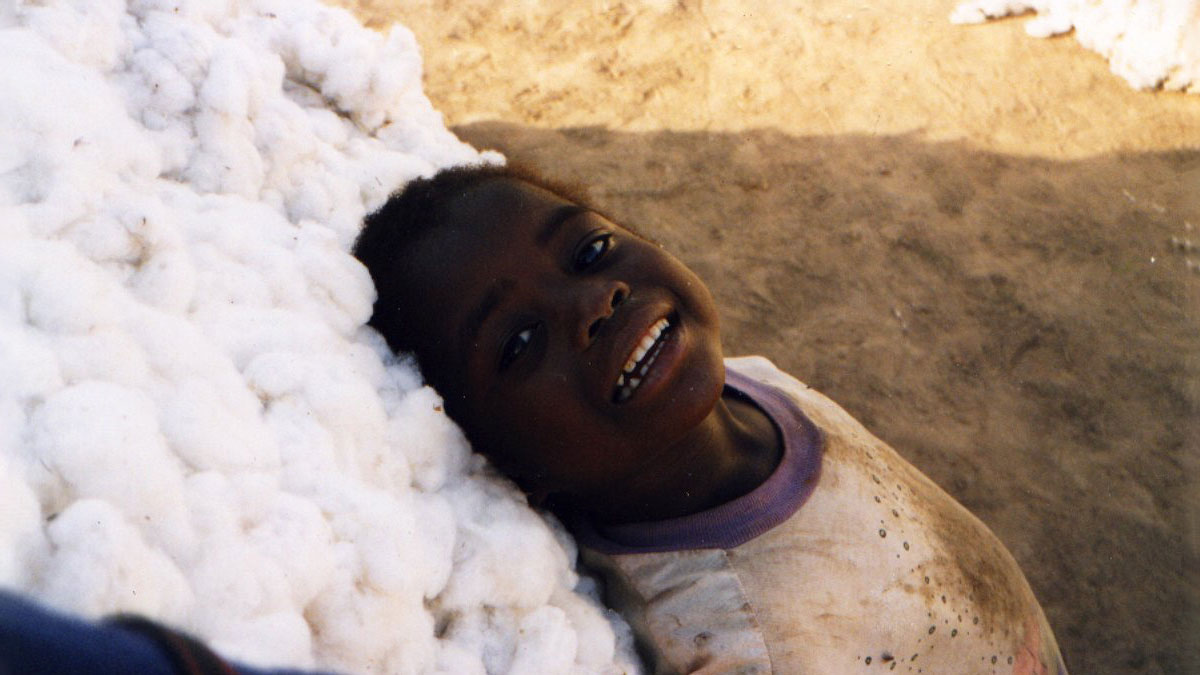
<point x="624" y="391"/>
<point x="647" y="342"/>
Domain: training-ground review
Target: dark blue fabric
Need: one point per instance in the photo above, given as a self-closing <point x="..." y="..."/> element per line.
<point x="38" y="641"/>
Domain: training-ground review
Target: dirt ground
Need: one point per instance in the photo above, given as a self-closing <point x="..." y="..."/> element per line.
<point x="983" y="245"/>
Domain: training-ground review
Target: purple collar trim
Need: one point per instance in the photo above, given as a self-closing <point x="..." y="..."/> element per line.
<point x="736" y="522"/>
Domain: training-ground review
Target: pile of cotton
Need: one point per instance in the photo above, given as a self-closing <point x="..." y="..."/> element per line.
<point x="195" y="424"/>
<point x="1150" y="43"/>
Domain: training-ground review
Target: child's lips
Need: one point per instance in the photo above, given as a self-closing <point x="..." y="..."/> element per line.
<point x="641" y="361"/>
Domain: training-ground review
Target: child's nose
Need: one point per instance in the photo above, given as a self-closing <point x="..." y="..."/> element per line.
<point x="597" y="307"/>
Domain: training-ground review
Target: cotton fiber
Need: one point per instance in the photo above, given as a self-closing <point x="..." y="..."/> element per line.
<point x="1149" y="43"/>
<point x="195" y="424"/>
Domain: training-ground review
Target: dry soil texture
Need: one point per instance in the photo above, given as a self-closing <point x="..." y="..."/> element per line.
<point x="983" y="245"/>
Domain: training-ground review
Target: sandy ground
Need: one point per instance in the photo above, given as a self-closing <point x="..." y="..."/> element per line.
<point x="983" y="245"/>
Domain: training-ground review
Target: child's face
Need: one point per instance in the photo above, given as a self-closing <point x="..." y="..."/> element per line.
<point x="531" y="309"/>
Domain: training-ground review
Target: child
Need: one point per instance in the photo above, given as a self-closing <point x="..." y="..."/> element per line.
<point x="742" y="521"/>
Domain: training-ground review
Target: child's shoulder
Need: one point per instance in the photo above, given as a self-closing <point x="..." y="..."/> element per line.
<point x="820" y="409"/>
<point x="758" y="367"/>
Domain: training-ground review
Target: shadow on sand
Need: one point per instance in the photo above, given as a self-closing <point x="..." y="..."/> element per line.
<point x="1025" y="331"/>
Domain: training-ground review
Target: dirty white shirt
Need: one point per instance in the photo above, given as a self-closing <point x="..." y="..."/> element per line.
<point x="847" y="559"/>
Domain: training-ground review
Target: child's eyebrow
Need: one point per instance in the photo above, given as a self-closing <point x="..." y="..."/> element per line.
<point x="549" y="227"/>
<point x="484" y="309"/>
<point x="555" y="221"/>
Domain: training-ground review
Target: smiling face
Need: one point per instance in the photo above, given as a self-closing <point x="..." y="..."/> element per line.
<point x="574" y="352"/>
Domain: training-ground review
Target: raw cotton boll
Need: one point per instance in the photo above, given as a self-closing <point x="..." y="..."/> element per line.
<point x="165" y="280"/>
<point x="211" y="429"/>
<point x="454" y="659"/>
<point x="347" y="407"/>
<point x="434" y="446"/>
<point x="237" y="81"/>
<point x="435" y="517"/>
<point x="306" y="448"/>
<point x="96" y="436"/>
<point x="338" y="285"/>
<point x="334" y="55"/>
<point x="107" y="353"/>
<point x="313" y="197"/>
<point x="256" y="622"/>
<point x="405" y="76"/>
<point x="245" y="332"/>
<point x="546" y="643"/>
<point x="176" y="349"/>
<point x="379" y="174"/>
<point x="187" y="45"/>
<point x="409" y="135"/>
<point x="389" y="555"/>
<point x="266" y="640"/>
<point x="363" y="361"/>
<point x="89" y="439"/>
<point x="206" y="11"/>
<point x="256" y="492"/>
<point x="12" y="424"/>
<point x="395" y="552"/>
<point x="329" y="127"/>
<point x="21" y="535"/>
<point x="160" y="93"/>
<point x="222" y="280"/>
<point x="13" y="223"/>
<point x="400" y="375"/>
<point x="88" y="32"/>
<point x="1149" y="43"/>
<point x="162" y="274"/>
<point x="359" y="631"/>
<point x="228" y="161"/>
<point x="330" y="392"/>
<point x="494" y="530"/>
<point x="596" y="643"/>
<point x="100" y="564"/>
<point x="50" y="152"/>
<point x="212" y="505"/>
<point x="492" y="633"/>
<point x="58" y="291"/>
<point x="29" y="369"/>
<point x="978" y="11"/>
<point x="296" y="537"/>
<point x="102" y="238"/>
<point x="257" y="590"/>
<point x="1152" y="43"/>
<point x="138" y="251"/>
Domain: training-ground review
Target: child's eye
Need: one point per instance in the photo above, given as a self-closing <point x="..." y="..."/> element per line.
<point x="515" y="346"/>
<point x="592" y="252"/>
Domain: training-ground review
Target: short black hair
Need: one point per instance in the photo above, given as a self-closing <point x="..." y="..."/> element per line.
<point x="409" y="214"/>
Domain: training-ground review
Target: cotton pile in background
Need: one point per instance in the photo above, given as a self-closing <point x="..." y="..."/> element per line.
<point x="194" y="423"/>
<point x="1149" y="43"/>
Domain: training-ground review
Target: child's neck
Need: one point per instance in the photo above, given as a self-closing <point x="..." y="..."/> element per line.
<point x="730" y="453"/>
